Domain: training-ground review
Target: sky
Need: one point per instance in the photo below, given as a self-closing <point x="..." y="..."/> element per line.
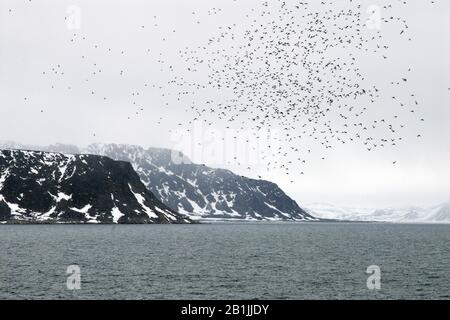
<point x="80" y="72"/>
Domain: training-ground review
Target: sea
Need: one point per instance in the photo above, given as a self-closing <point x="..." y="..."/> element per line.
<point x="226" y="261"/>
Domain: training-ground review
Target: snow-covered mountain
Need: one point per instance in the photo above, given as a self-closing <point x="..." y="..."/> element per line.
<point x="202" y="192"/>
<point x="52" y="187"/>
<point x="432" y="214"/>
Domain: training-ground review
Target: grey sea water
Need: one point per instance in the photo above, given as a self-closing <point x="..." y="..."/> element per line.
<point x="225" y="261"/>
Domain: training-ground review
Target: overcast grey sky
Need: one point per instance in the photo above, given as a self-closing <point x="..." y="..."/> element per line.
<point x="127" y="40"/>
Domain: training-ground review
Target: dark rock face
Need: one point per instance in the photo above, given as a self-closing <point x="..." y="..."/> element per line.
<point x="202" y="192"/>
<point x="51" y="187"/>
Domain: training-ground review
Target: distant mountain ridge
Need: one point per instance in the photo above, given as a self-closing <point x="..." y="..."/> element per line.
<point x="48" y="187"/>
<point x="195" y="190"/>
<point x="431" y="214"/>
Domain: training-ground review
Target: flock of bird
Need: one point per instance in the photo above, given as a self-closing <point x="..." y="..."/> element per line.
<point x="296" y="67"/>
